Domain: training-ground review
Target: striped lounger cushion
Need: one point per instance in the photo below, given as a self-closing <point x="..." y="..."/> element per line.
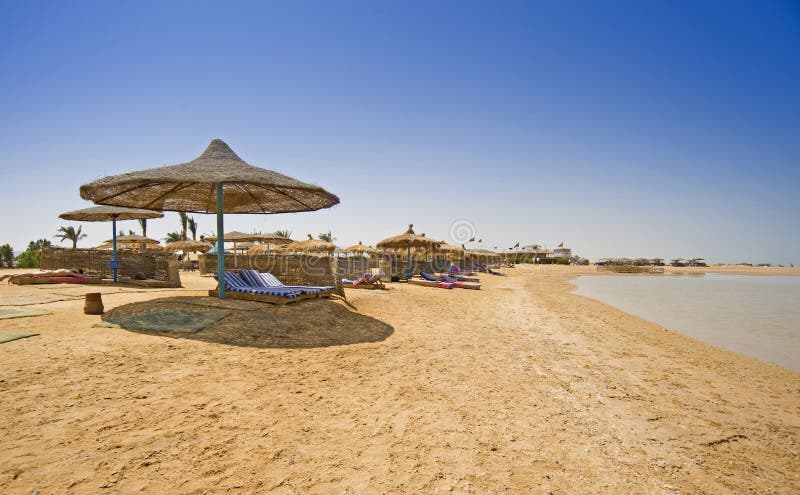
<point x="271" y="281"/>
<point x="236" y="284"/>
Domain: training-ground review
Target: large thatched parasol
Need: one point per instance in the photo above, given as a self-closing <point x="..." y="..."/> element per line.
<point x="360" y="248"/>
<point x="216" y="182"/>
<point x="112" y="214"/>
<point x="311" y="245"/>
<point x="188" y="245"/>
<point x="407" y="240"/>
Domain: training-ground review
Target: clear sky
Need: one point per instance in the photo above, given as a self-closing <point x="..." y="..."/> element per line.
<point x="667" y="129"/>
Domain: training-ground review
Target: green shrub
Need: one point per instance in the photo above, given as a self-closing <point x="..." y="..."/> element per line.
<point x="29" y="259"/>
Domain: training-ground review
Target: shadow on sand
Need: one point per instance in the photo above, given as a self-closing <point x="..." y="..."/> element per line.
<point x="301" y="325"/>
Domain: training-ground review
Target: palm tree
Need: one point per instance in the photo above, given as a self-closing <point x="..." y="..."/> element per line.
<point x="173" y="237"/>
<point x="326" y="236"/>
<point x="184" y="224"/>
<point x="284" y="233"/>
<point x="71" y="234"/>
<point x="143" y="223"/>
<point x="193" y="227"/>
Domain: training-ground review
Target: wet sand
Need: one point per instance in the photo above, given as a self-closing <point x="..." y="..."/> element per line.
<point x="520" y="387"/>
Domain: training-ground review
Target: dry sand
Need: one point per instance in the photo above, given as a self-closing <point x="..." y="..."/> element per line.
<point x="521" y="387"/>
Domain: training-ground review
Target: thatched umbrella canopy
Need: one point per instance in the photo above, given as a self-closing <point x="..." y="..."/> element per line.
<point x="274" y="239"/>
<point x="135" y="239"/>
<point x="360" y="248"/>
<point x="270" y="239"/>
<point x="407" y="240"/>
<point x="450" y="249"/>
<point x="243" y="246"/>
<point x="218" y="181"/>
<point x="104" y="246"/>
<point x="266" y="249"/>
<point x="236" y="236"/>
<point x="311" y="245"/>
<point x="110" y="214"/>
<point x="188" y="245"/>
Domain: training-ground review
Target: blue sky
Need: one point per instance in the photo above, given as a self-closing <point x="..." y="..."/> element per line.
<point x="665" y="129"/>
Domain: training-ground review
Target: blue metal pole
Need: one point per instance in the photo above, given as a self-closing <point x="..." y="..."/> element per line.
<point x="114" y="261"/>
<point x="220" y="243"/>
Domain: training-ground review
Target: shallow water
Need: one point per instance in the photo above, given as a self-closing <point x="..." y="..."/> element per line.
<point x="754" y="315"/>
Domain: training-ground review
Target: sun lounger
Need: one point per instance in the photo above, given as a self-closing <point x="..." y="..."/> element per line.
<point x="237" y="288"/>
<point x="366" y="281"/>
<point x="460" y="284"/>
<point x="429" y="280"/>
<point x="485" y="269"/>
<point x="271" y="281"/>
<point x="428" y="283"/>
<point x="457" y="270"/>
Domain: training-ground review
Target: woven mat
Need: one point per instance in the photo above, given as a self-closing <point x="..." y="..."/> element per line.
<point x="17" y="312"/>
<point x="215" y="302"/>
<point x="169" y="320"/>
<point x="8" y="335"/>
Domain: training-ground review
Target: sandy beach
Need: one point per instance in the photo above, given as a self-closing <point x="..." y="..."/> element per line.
<point x="520" y="387"/>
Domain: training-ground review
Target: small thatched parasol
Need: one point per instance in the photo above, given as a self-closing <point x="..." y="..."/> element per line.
<point x="218" y="181"/>
<point x="311" y="245"/>
<point x="360" y="248"/>
<point x="110" y="214"/>
<point x="187" y="246"/>
<point x="450" y="249"/>
<point x="407" y="240"/>
<point x="135" y="239"/>
<point x="244" y="246"/>
<point x="266" y="249"/>
<point x="236" y="237"/>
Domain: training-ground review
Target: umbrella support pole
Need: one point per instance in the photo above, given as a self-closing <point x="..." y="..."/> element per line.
<point x="114" y="260"/>
<point x="220" y="243"/>
<point x="408" y="268"/>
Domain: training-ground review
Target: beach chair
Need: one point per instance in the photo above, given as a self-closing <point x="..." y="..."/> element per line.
<point x="460" y="284"/>
<point x="485" y="269"/>
<point x="457" y="270"/>
<point x="271" y="281"/>
<point x="238" y="288"/>
<point x="366" y="281"/>
<point x="429" y="280"/>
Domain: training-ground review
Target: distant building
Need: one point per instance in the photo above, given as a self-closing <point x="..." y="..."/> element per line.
<point x="562" y="252"/>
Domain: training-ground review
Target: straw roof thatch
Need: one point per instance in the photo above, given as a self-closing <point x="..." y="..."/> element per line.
<point x="191" y="187"/>
<point x="274" y="239"/>
<point x="108" y="213"/>
<point x="134" y="239"/>
<point x="267" y="248"/>
<point x="450" y="249"/>
<point x="406" y="240"/>
<point x="244" y="246"/>
<point x="236" y="236"/>
<point x="188" y="246"/>
<point x="311" y="245"/>
<point x="360" y="248"/>
<point x="104" y="246"/>
<point x="483" y="253"/>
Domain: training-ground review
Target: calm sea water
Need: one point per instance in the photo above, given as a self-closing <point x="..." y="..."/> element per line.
<point x="753" y="315"/>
